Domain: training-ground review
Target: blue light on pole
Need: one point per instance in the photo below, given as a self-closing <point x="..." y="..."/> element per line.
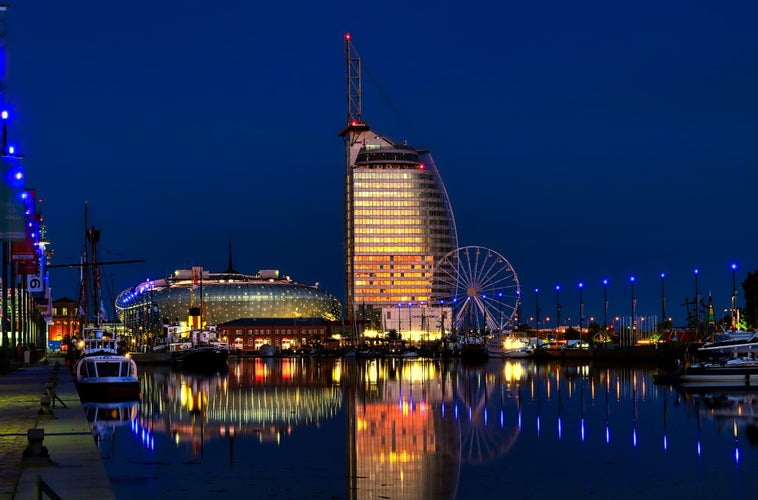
<point x="735" y="313"/>
<point x="581" y="307"/>
<point x="633" y="339"/>
<point x="557" y="307"/>
<point x="663" y="297"/>
<point x="537" y="308"/>
<point x="605" y="304"/>
<point x="500" y="307"/>
<point x="697" y="298"/>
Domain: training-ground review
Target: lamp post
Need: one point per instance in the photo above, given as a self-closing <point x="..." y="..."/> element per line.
<point x="735" y="314"/>
<point x="500" y="308"/>
<point x="605" y="304"/>
<point x="537" y="308"/>
<point x="581" y="308"/>
<point x="484" y="313"/>
<point x="697" y="301"/>
<point x="398" y="318"/>
<point x="557" y="307"/>
<point x="410" y="325"/>
<point x="518" y="307"/>
<point x="663" y="297"/>
<point x="634" y="311"/>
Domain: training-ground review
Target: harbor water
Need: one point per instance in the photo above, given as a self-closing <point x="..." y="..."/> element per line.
<point x="396" y="428"/>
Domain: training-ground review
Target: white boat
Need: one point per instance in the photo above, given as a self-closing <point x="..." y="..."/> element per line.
<point x="102" y="373"/>
<point x="730" y="360"/>
<point x="736" y="372"/>
<point x="506" y="346"/>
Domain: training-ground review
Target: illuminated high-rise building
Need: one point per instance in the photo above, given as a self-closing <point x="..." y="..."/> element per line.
<point x="398" y="218"/>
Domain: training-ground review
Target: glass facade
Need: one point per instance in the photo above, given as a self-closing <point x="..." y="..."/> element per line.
<point x="224" y="297"/>
<point x="398" y="222"/>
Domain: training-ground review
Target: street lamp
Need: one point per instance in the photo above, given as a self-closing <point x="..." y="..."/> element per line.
<point x="605" y="304"/>
<point x="537" y="308"/>
<point x="581" y="308"/>
<point x="518" y="307"/>
<point x="735" y="314"/>
<point x="634" y="310"/>
<point x="500" y="307"/>
<point x="557" y="307"/>
<point x="663" y="297"/>
<point x="398" y="318"/>
<point x="410" y="325"/>
<point x="697" y="301"/>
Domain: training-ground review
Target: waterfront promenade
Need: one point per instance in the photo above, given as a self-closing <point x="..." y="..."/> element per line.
<point x="71" y="466"/>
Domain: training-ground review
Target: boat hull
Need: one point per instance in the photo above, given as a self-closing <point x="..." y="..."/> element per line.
<point x="718" y="376"/>
<point x="108" y="390"/>
<point x="514" y="353"/>
<point x="106" y="377"/>
<point x="202" y="359"/>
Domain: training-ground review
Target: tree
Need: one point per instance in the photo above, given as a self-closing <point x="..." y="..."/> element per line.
<point x="393" y="335"/>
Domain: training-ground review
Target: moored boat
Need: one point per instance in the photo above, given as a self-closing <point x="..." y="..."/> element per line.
<point x="506" y="346"/>
<point x="201" y="351"/>
<point x="736" y="372"/>
<point x="102" y="373"/>
<point x="729" y="360"/>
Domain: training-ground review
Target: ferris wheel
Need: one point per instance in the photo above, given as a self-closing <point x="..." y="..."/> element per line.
<point x="480" y="285"/>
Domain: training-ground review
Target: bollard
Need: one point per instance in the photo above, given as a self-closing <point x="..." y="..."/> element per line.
<point x="45" y="410"/>
<point x="35" y="452"/>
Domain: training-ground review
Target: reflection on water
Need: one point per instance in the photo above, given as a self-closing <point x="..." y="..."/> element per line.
<point x="394" y="428"/>
<point x="104" y="418"/>
<point x="266" y="398"/>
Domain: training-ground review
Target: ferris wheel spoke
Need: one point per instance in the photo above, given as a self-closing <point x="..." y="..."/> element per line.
<point x="480" y="286"/>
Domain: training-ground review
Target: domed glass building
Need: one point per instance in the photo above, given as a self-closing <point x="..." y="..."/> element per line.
<point x="188" y="295"/>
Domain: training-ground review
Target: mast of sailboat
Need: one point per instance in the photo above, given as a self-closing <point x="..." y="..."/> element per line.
<point x="84" y="275"/>
<point x="90" y="271"/>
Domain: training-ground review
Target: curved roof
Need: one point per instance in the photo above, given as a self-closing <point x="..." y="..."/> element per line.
<point x="228" y="296"/>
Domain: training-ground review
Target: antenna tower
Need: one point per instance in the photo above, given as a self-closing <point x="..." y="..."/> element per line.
<point x="353" y="61"/>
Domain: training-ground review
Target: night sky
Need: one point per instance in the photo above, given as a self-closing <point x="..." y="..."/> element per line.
<point x="580" y="140"/>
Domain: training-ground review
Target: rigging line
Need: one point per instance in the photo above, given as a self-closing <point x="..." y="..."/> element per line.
<point x="414" y="135"/>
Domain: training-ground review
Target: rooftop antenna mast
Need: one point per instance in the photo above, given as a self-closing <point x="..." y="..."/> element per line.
<point x="353" y="61"/>
<point x="355" y="121"/>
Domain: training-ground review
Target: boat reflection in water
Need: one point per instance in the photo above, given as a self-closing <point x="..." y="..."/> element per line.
<point x="417" y="428"/>
<point x="733" y="411"/>
<point x="105" y="418"/>
<point x="265" y="398"/>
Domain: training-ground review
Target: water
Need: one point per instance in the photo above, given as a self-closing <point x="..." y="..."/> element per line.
<point x="330" y="428"/>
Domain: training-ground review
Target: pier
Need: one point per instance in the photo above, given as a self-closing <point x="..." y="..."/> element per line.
<point x="48" y="450"/>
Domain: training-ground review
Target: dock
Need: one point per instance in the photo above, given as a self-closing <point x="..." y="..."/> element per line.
<point x="47" y="449"/>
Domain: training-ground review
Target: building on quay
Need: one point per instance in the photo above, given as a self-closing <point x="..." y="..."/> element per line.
<point x="65" y="324"/>
<point x="249" y="334"/>
<point x="398" y="223"/>
<point x="196" y="298"/>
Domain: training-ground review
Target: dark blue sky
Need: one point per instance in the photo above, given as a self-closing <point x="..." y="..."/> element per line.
<point x="580" y="141"/>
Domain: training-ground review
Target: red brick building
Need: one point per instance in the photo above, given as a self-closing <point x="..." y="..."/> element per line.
<point x="249" y="334"/>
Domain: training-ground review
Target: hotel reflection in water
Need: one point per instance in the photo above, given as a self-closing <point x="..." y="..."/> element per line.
<point x="412" y="425"/>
